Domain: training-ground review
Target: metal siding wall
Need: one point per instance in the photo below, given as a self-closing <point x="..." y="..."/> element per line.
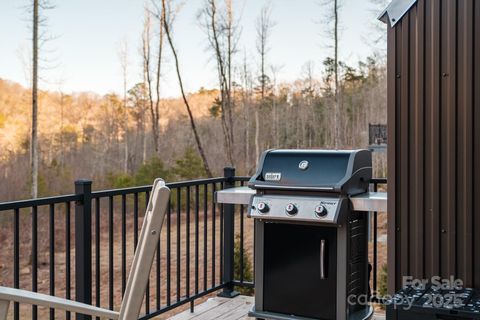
<point x="434" y="128"/>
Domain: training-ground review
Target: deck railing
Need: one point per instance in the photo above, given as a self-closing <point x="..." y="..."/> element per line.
<point x="80" y="246"/>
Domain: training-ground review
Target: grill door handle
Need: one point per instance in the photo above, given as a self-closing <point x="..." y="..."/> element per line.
<point x="323" y="259"/>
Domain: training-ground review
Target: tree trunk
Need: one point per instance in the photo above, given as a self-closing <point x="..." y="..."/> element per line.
<point x="144" y="143"/>
<point x="230" y="51"/>
<point x="185" y="100"/>
<point x="337" y="103"/>
<point x="153" y="106"/>
<point x="246" y="114"/>
<point x="124" y="65"/>
<point x="34" y="138"/>
<point x="224" y="69"/>
<point x="125" y="141"/>
<point x="157" y="89"/>
<point x="257" y="135"/>
<point x="247" y="139"/>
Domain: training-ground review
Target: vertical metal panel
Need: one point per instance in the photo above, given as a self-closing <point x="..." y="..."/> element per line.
<point x="412" y="134"/>
<point x="392" y="163"/>
<point x="476" y="142"/>
<point x="465" y="138"/>
<point x="432" y="85"/>
<point x="404" y="130"/>
<point x="434" y="128"/>
<point x="447" y="137"/>
<point x="418" y="146"/>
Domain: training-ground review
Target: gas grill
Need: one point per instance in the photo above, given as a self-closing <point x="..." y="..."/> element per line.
<point x="311" y="248"/>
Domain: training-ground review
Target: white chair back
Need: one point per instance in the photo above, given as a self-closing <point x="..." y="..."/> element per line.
<point x="145" y="252"/>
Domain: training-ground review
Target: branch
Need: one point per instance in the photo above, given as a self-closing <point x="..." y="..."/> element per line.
<point x="166" y="26"/>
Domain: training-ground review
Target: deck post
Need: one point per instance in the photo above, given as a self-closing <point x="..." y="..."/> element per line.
<point x="228" y="238"/>
<point x="83" y="245"/>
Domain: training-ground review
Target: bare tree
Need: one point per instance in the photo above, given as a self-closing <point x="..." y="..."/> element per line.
<point x="123" y="57"/>
<point x="332" y="21"/>
<point x="137" y="98"/>
<point x="264" y="25"/>
<point x="34" y="138"/>
<point x="37" y="37"/>
<point x="378" y="37"/>
<point x="167" y="21"/>
<point x="153" y="77"/>
<point x="276" y="135"/>
<point x="246" y="101"/>
<point x="222" y="33"/>
<point x="337" y="103"/>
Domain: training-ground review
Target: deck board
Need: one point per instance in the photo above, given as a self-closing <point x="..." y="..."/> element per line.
<point x="225" y="309"/>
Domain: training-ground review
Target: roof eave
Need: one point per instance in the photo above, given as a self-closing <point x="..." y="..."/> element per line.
<point x="395" y="11"/>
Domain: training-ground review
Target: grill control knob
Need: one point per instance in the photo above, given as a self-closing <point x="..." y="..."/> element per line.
<point x="291" y="209"/>
<point x="321" y="211"/>
<point x="263" y="207"/>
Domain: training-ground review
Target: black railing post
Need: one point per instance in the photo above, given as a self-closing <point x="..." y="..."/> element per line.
<point x="83" y="245"/>
<point x="228" y="238"/>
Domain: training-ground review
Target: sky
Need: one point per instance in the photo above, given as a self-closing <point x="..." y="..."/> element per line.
<point x="82" y="54"/>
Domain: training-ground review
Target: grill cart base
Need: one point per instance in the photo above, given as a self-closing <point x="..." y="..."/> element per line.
<point x="359" y="315"/>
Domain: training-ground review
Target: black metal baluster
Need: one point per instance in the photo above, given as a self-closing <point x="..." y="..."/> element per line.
<point x="158" y="275"/>
<point x="375" y="253"/>
<point x="135" y="221"/>
<point x="169" y="249"/>
<point x="124" y="243"/>
<point x="34" y="257"/>
<point x="192" y="303"/>
<point x="196" y="236"/>
<point x="97" y="253"/>
<point x="110" y="253"/>
<point x="254" y="239"/>
<point x="147" y="291"/>
<point x="205" y="236"/>
<point x="68" y="287"/>
<point x="242" y="208"/>
<point x="179" y="207"/>
<point x="51" y="228"/>
<point x="187" y="243"/>
<point x="16" y="259"/>
<point x="213" y="235"/>
<point x="241" y="243"/>
<point x="222" y="186"/>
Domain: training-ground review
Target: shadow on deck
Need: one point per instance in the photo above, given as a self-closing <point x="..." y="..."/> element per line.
<point x="226" y="309"/>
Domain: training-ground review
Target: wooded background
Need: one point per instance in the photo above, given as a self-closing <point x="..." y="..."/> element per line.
<point x="131" y="137"/>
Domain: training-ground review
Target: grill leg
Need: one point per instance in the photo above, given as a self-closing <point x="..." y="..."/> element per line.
<point x="4" y="304"/>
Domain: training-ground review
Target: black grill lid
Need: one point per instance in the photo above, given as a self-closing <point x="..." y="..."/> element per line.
<point x="346" y="172"/>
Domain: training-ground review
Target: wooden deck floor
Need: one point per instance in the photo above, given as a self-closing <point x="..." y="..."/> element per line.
<point x="225" y="309"/>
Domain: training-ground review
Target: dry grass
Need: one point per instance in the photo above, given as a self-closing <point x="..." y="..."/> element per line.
<point x="212" y="260"/>
<point x="6" y="255"/>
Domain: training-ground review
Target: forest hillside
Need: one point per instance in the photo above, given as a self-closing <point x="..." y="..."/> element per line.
<point x="109" y="138"/>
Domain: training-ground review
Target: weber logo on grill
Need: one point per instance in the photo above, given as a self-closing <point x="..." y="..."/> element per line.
<point x="273" y="176"/>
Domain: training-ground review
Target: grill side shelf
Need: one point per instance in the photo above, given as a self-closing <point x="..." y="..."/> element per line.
<point x="369" y="201"/>
<point x="237" y="195"/>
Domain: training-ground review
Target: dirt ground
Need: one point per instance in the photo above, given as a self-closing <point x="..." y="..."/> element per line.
<point x="178" y="230"/>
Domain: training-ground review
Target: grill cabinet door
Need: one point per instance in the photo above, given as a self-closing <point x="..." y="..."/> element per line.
<point x="292" y="270"/>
